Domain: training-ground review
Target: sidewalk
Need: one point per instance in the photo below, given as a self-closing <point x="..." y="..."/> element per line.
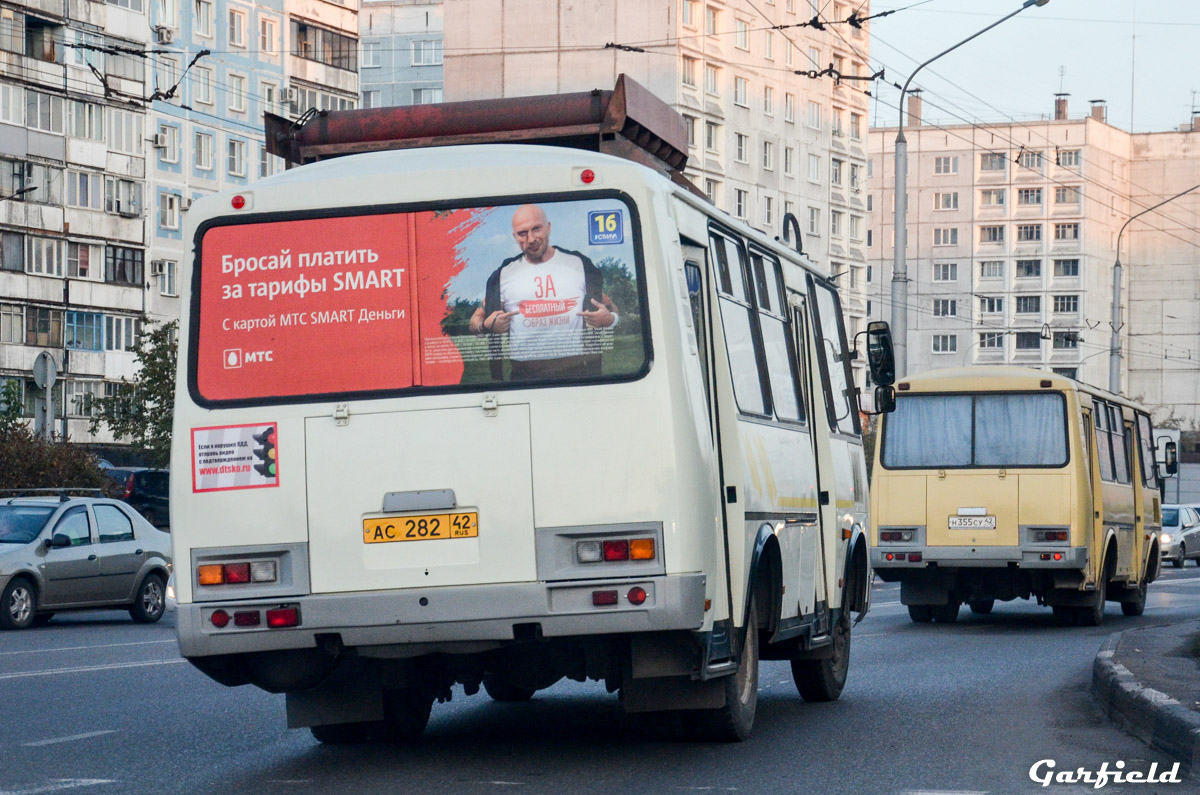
<point x="1149" y="683"/>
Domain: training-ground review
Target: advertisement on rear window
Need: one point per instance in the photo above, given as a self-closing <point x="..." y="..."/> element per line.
<point x="394" y="301"/>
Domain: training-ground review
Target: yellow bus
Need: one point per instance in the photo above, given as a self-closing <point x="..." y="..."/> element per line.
<point x="998" y="483"/>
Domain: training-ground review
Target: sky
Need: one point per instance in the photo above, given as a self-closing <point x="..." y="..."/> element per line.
<point x="1139" y="55"/>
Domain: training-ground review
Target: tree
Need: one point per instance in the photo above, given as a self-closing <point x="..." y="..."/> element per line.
<point x="143" y="409"/>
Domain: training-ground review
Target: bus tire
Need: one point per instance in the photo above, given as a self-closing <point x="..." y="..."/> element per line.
<point x="947" y="613"/>
<point x="1064" y="616"/>
<point x="921" y="614"/>
<point x="824" y="679"/>
<point x="501" y="689"/>
<point x="981" y="606"/>
<point x="405" y="714"/>
<point x="1093" y="614"/>
<point x="343" y="733"/>
<point x="733" y="722"/>
<point x="1138" y="605"/>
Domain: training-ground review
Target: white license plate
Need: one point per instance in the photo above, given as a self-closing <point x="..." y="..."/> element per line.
<point x="972" y="522"/>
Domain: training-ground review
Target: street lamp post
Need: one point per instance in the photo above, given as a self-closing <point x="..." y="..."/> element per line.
<point x="1114" y="350"/>
<point x="18" y="194"/>
<point x="899" y="265"/>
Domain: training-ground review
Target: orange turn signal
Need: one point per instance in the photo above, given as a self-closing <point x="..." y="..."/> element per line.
<point x="211" y="575"/>
<point x="641" y="549"/>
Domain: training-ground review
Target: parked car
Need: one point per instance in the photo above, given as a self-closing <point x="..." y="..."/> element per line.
<point x="1180" y="540"/>
<point x="147" y="490"/>
<point x="63" y="552"/>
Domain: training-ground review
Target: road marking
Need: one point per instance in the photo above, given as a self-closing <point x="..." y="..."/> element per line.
<point x="69" y="739"/>
<point x="84" y="648"/>
<point x="79" y="669"/>
<point x="59" y="785"/>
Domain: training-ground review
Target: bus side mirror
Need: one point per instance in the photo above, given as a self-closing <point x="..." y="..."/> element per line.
<point x="880" y="357"/>
<point x="1171" y="462"/>
<point x="885" y="399"/>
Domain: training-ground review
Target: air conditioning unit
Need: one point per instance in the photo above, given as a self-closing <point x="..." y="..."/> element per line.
<point x="185" y="203"/>
<point x="289" y="94"/>
<point x="164" y="35"/>
<point x="158" y="267"/>
<point x="160" y="141"/>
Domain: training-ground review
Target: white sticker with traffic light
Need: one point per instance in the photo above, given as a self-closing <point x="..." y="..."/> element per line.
<point x="235" y="457"/>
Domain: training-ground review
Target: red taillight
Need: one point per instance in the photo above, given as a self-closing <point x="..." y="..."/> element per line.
<point x="238" y="202"/>
<point x="1058" y="556"/>
<point x="914" y="557"/>
<point x="129" y="487"/>
<point x="283" y="617"/>
<point x="604" y="598"/>
<point x="636" y="595"/>
<point x="247" y="618"/>
<point x="890" y="556"/>
<point x="587" y="176"/>
<point x="616" y="550"/>
<point x="237" y="572"/>
<point x="219" y="619"/>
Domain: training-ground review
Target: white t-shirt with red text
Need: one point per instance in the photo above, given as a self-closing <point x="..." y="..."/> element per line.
<point x="549" y="297"/>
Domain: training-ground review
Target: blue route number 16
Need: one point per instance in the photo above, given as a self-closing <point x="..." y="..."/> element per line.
<point x="605" y="228"/>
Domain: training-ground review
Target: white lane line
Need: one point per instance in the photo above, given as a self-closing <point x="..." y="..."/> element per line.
<point x="73" y="737"/>
<point x="85" y="648"/>
<point x="80" y="669"/>
<point x="59" y="785"/>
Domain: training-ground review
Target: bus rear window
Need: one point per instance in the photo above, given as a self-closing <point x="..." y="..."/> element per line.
<point x="374" y="304"/>
<point x="985" y="430"/>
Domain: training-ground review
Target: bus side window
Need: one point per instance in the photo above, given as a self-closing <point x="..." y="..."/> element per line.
<point x="835" y="367"/>
<point x="742" y="342"/>
<point x="1103" y="447"/>
<point x="781" y="355"/>
<point x="1146" y="446"/>
<point x="695" y="284"/>
<point x="1116" y="432"/>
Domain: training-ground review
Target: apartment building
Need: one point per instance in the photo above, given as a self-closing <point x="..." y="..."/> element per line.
<point x="767" y="135"/>
<point x="1012" y="233"/>
<point x="401" y="52"/>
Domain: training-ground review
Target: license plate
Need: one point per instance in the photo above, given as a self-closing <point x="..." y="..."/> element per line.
<point x="424" y="527"/>
<point x="972" y="522"/>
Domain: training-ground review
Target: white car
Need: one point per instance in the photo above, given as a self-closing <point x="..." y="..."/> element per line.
<point x="1180" y="538"/>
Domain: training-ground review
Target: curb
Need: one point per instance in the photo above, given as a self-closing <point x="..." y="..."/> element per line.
<point x="1152" y="716"/>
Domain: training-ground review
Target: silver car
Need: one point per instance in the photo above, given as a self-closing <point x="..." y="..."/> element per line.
<point x="70" y="553"/>
<point x="1180" y="539"/>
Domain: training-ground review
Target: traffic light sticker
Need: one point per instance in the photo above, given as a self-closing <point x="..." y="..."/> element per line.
<point x="228" y="457"/>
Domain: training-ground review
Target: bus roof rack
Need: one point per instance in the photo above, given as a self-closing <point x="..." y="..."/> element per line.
<point x="64" y="492"/>
<point x="628" y="122"/>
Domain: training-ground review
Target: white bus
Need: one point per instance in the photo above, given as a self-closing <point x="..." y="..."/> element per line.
<point x="499" y="415"/>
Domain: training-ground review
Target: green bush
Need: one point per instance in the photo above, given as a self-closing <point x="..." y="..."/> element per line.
<point x="30" y="462"/>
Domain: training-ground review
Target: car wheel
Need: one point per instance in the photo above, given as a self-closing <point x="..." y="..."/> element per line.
<point x="18" y="604"/>
<point x="921" y="614"/>
<point x="947" y="613"/>
<point x="1182" y="559"/>
<point x="501" y="689"/>
<point x="733" y="722"/>
<point x="824" y="680"/>
<point x="982" y="606"/>
<point x="150" y="602"/>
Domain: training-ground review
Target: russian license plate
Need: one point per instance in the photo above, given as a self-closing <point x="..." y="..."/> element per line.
<point x="972" y="522"/>
<point x="425" y="527"/>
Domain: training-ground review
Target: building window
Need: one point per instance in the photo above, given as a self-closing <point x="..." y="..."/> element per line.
<point x="789" y="108"/>
<point x="689" y="12"/>
<point x="168" y="211"/>
<point x="710" y="190"/>
<point x="426" y="96"/>
<point x="170" y="139"/>
<point x="12" y="325"/>
<point x="1031" y="161"/>
<point x="835" y="223"/>
<point x="991" y="341"/>
<point x="1029" y="304"/>
<point x="43" y="327"/>
<point x="43" y="256"/>
<point x="84" y="331"/>
<point x="1067" y="195"/>
<point x="170" y="275"/>
<point x="122" y="197"/>
<point x="945" y="201"/>
<point x="991" y="269"/>
<point x="1028" y="196"/>
<point x="1066" y="267"/>
<point x="427" y="53"/>
<point x="711" y="79"/>
<point x="1069" y="157"/>
<point x="125" y="131"/>
<point x="769" y="43"/>
<point x="989" y="305"/>
<point x="814" y="168"/>
<point x="1066" y="231"/>
<point x="689" y="122"/>
<point x="945" y="343"/>
<point x="203" y="85"/>
<point x="1029" y="233"/>
<point x="789" y="158"/>
<point x="204" y="18"/>
<point x="121" y="333"/>
<point x="768" y="211"/>
<point x="768" y="100"/>
<point x="741" y="144"/>
<point x="266" y="36"/>
<point x="1066" y="340"/>
<point x="856" y="228"/>
<point x="236" y="164"/>
<point x="992" y="197"/>
<point x="945" y="271"/>
<point x="689" y="72"/>
<point x="124" y="265"/>
<point x="1069" y="372"/>
<point x="741" y="31"/>
<point x="856" y="126"/>
<point x="44" y="112"/>
<point x="12" y="252"/>
<point x="711" y="136"/>
<point x="79" y="261"/>
<point x="814" y="115"/>
<point x="1066" y="304"/>
<point x="370" y="99"/>
<point x="203" y="151"/>
<point x="945" y="237"/>
<point x="237" y="28"/>
<point x="326" y="46"/>
<point x="1029" y="268"/>
<point x="945" y="165"/>
<point x="838" y="125"/>
<point x="854" y="178"/>
<point x="740" y="89"/>
<point x="85" y="120"/>
<point x="1029" y="341"/>
<point x="768" y="160"/>
<point x="991" y="234"/>
<point x="739" y="203"/>
<point x="237" y="93"/>
<point x="991" y="161"/>
<point x="83" y="190"/>
<point x="945" y="307"/>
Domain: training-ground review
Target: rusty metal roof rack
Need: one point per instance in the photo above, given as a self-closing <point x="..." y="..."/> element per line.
<point x="628" y="122"/>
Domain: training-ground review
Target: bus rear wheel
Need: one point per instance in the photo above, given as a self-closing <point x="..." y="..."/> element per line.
<point x="501" y="689"/>
<point x="947" y="613"/>
<point x="1093" y="615"/>
<point x="921" y="614"/>
<point x="981" y="606"/>
<point x="1138" y="605"/>
<point x="824" y="679"/>
<point x="733" y="722"/>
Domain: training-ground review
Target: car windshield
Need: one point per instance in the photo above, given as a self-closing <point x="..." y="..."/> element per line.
<point x="1171" y="516"/>
<point x="20" y="524"/>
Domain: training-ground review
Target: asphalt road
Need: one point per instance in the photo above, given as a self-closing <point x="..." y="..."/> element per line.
<point x="95" y="703"/>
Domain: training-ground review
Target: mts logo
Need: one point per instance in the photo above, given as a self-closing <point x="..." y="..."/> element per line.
<point x="236" y="357"/>
<point x="250" y="357"/>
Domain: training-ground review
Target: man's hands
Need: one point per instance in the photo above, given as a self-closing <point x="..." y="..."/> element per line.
<point x="498" y="322"/>
<point x="600" y="317"/>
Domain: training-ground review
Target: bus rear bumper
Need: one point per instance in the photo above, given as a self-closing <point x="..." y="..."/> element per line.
<point x="1040" y="557"/>
<point x="447" y="615"/>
